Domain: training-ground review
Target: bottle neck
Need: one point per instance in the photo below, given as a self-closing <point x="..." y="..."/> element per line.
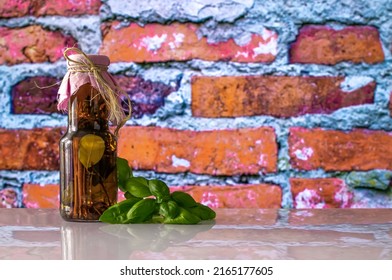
<point x="87" y="110"/>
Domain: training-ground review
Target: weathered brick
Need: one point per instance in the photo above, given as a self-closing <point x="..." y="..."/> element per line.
<point x="41" y="196"/>
<point x="238" y="196"/>
<point x="46" y="196"/>
<point x="332" y="150"/>
<point x="32" y="44"/>
<point x="27" y="98"/>
<point x="8" y="198"/>
<point x="14" y="8"/>
<point x="216" y="152"/>
<point x="30" y="149"/>
<point x="277" y="96"/>
<point x="320" y="193"/>
<point x="324" y="45"/>
<point x="146" y="96"/>
<point x="177" y="41"/>
<point x="390" y="104"/>
<point x="220" y="152"/>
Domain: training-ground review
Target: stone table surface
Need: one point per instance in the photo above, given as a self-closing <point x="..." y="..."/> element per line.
<point x="235" y="234"/>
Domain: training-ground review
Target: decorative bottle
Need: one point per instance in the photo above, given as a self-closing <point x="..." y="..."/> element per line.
<point x="88" y="150"/>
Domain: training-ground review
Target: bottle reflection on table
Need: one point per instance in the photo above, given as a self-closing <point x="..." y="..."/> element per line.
<point x="105" y="241"/>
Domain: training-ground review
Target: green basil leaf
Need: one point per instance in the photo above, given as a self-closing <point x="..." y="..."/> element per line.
<point x="117" y="213"/>
<point x="128" y="195"/>
<point x="173" y="209"/>
<point x="203" y="212"/>
<point x="142" y="211"/>
<point x="183" y="199"/>
<point x="124" y="172"/>
<point x="138" y="187"/>
<point x="159" y="189"/>
<point x="184" y="217"/>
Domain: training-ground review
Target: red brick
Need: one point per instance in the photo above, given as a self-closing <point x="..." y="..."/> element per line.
<point x="15" y="8"/>
<point x="30" y="149"/>
<point x="320" y="193"/>
<point x="239" y="196"/>
<point x="46" y="196"/>
<point x="332" y="150"/>
<point x="277" y="96"/>
<point x="40" y="196"/>
<point x="32" y="44"/>
<point x="27" y="98"/>
<point x="178" y="41"/>
<point x="216" y="152"/>
<point x="146" y="96"/>
<point x="390" y="104"/>
<point x="324" y="45"/>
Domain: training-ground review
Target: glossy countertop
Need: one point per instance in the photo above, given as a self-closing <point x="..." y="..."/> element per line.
<point x="235" y="234"/>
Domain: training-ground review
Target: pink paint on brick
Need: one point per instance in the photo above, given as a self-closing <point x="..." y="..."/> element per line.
<point x="155" y="42"/>
<point x="279" y="96"/>
<point x="316" y="193"/>
<point x="8" y="198"/>
<point x="13" y="8"/>
<point x="324" y="45"/>
<point x="32" y="44"/>
<point x="334" y="150"/>
<point x="237" y="196"/>
<point x="308" y="199"/>
<point x="216" y="152"/>
<point x="17" y="8"/>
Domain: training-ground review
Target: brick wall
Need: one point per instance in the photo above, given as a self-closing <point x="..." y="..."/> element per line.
<point x="242" y="103"/>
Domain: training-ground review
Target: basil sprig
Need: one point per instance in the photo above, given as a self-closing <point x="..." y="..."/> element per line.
<point x="150" y="201"/>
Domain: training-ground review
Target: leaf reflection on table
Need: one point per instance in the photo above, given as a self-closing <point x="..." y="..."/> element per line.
<point x="155" y="237"/>
<point x="79" y="240"/>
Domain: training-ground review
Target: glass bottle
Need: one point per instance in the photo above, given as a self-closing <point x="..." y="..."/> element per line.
<point x="88" y="154"/>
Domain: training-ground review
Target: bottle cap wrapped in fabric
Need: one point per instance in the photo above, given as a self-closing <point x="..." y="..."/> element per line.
<point x="91" y="69"/>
